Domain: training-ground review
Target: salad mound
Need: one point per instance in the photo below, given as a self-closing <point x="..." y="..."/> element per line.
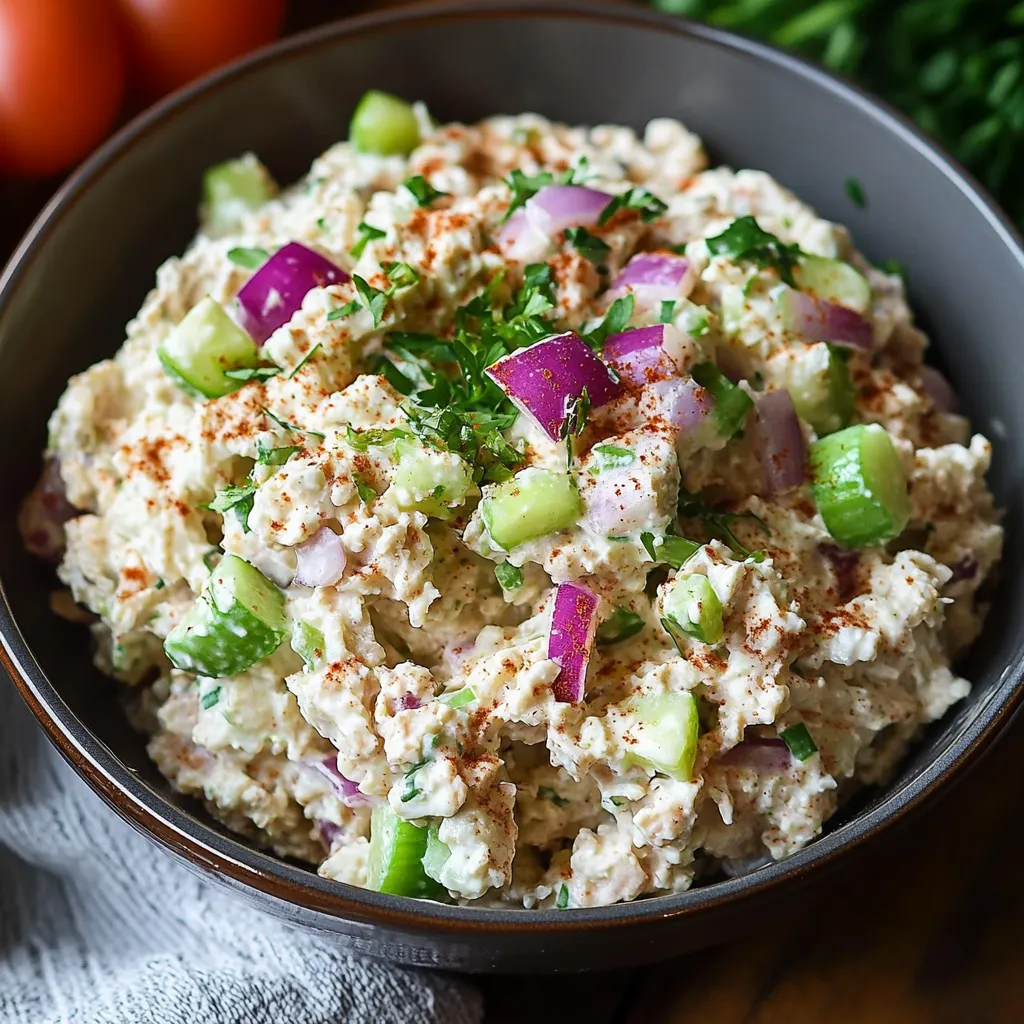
<point x="520" y="513"/>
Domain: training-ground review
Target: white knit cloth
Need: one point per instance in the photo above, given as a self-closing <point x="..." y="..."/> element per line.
<point x="99" y="926"/>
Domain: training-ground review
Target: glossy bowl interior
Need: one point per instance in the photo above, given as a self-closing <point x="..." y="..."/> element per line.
<point x="88" y="262"/>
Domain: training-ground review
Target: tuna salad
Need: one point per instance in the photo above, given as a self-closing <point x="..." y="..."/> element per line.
<point x="520" y="513"/>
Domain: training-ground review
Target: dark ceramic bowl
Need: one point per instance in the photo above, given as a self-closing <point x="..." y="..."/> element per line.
<point x="86" y="265"/>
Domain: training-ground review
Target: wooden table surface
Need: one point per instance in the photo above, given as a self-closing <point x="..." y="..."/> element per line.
<point x="927" y="928"/>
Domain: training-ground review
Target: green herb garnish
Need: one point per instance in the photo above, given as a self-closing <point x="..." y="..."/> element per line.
<point x="668" y="311"/>
<point x="342" y="311"/>
<point x="367" y="233"/>
<point x="577" y="411"/>
<point x="650" y="207"/>
<point x="275" y="456"/>
<point x="799" y="740"/>
<point x="508" y="575"/>
<point x="234" y="499"/>
<point x="366" y="492"/>
<point x="251" y="259"/>
<point x="587" y="245"/>
<point x="615" y="321"/>
<point x="563" y="898"/>
<point x="211" y="698"/>
<point x="547" y="793"/>
<point x="305" y="359"/>
<point x="675" y="551"/>
<point x="253" y="373"/>
<point x="855" y="192"/>
<point x="745" y="241"/>
<point x="422" y="191"/>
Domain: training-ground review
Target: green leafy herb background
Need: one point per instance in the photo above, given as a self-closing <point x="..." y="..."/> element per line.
<point x="955" y="66"/>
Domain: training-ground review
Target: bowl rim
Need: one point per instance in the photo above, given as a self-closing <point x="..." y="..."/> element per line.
<point x="190" y="837"/>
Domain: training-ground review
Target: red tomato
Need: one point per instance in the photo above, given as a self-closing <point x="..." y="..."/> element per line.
<point x="61" y="82"/>
<point x="170" y="42"/>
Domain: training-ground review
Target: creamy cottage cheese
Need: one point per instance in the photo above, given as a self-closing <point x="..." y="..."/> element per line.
<point x="427" y="687"/>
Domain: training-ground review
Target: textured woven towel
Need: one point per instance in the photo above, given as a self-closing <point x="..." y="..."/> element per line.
<point x="98" y="926"/>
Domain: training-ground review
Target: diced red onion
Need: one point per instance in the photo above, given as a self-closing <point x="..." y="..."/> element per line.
<point x="530" y="230"/>
<point x="940" y="390"/>
<point x="541" y="380"/>
<point x="819" y="320"/>
<point x="639" y="355"/>
<point x="654" y="277"/>
<point x="964" y="569"/>
<point x="761" y="753"/>
<point x="347" y="791"/>
<point x="43" y="514"/>
<point x="457" y="651"/>
<point x="321" y="559"/>
<point x="327" y="832"/>
<point x="272" y="295"/>
<point x="408" y="702"/>
<point x="844" y="564"/>
<point x="573" y="625"/>
<point x="683" y="404"/>
<point x="780" y="441"/>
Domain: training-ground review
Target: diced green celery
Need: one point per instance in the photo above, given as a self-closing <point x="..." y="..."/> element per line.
<point x="436" y="856"/>
<point x="663" y="733"/>
<point x="860" y="486"/>
<point x="308" y="643"/>
<point x="691" y="606"/>
<point x="427" y="480"/>
<point x="820" y="386"/>
<point x="732" y="403"/>
<point x="800" y="742"/>
<point x="233" y="189"/>
<point x="833" y="281"/>
<point x="534" y="503"/>
<point x="202" y="347"/>
<point x="236" y="621"/>
<point x="395" y="862"/>
<point x="458" y="698"/>
<point x="385" y="125"/>
<point x="619" y="626"/>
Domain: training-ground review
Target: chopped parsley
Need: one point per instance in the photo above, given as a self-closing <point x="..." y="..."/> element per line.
<point x="668" y="311"/>
<point x="611" y="456"/>
<point x="285" y="425"/>
<point x="305" y="359"/>
<point x="422" y="191"/>
<point x="524" y="187"/>
<point x="563" y="898"/>
<point x="211" y="698"/>
<point x="363" y="440"/>
<point x="412" y="790"/>
<point x="615" y="320"/>
<point x="372" y="298"/>
<point x="650" y="207"/>
<point x="855" y="192"/>
<point x="342" y="311"/>
<point x="577" y="411"/>
<point x="234" y="499"/>
<point x="401" y="275"/>
<point x="248" y="373"/>
<point x="367" y="233"/>
<point x="745" y="241"/>
<point x="366" y="492"/>
<point x="719" y="523"/>
<point x="800" y="742"/>
<point x="587" y="245"/>
<point x="620" y="625"/>
<point x="508" y="575"/>
<point x="673" y="550"/>
<point x="275" y="456"/>
<point x="251" y="259"/>
<point x="732" y="403"/>
<point x="547" y="793"/>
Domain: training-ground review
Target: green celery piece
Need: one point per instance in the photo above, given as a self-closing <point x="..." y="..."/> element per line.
<point x="233" y="189"/>
<point x="397" y="849"/>
<point x="236" y="621"/>
<point x="664" y="732"/>
<point x="534" y="503"/>
<point x="833" y="281"/>
<point x="385" y="125"/>
<point x="691" y="606"/>
<point x="202" y="347"/>
<point x="307" y="642"/>
<point x="860" y="486"/>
